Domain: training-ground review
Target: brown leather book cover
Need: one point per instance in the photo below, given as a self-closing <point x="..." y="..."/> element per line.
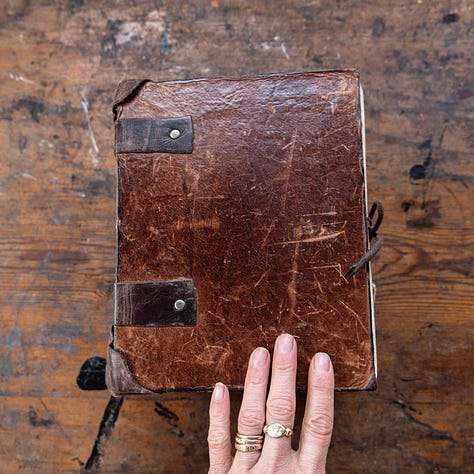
<point x="241" y="206"/>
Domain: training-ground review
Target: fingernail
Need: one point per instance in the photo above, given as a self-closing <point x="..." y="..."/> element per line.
<point x="322" y="362"/>
<point x="259" y="357"/>
<point x="285" y="343"/>
<point x="219" y="391"/>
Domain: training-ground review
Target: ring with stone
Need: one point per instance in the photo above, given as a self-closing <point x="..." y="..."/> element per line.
<point x="277" y="430"/>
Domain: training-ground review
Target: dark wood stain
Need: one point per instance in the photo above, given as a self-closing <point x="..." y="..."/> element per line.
<point x="34" y="107"/>
<point x="106" y="426"/>
<point x="36" y="421"/>
<point x="450" y="18"/>
<point x="92" y="374"/>
<point x="378" y="27"/>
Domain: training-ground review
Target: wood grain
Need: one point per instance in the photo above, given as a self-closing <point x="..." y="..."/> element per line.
<point x="60" y="63"/>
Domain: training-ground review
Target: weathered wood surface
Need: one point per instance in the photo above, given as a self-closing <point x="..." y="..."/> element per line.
<point x="59" y="64"/>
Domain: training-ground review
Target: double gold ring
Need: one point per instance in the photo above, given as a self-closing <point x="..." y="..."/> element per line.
<point x="254" y="443"/>
<point x="248" y="444"/>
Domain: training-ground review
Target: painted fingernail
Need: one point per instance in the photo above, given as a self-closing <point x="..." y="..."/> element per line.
<point x="285" y="343"/>
<point x="218" y="393"/>
<point x="322" y="363"/>
<point x="259" y="357"/>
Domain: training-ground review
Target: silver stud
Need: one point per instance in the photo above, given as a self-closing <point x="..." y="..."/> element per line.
<point x="175" y="133"/>
<point x="179" y="305"/>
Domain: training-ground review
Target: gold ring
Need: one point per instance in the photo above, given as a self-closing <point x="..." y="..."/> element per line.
<point x="277" y="430"/>
<point x="248" y="443"/>
<point x="248" y="448"/>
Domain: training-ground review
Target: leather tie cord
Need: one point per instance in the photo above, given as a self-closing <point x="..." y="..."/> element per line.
<point x="373" y="227"/>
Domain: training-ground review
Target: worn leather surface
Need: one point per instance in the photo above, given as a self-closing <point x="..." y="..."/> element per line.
<point x="265" y="216"/>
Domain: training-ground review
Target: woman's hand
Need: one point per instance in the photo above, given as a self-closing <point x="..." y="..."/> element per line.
<point x="276" y="455"/>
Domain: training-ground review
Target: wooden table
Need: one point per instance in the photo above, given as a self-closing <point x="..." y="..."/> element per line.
<point x="60" y="63"/>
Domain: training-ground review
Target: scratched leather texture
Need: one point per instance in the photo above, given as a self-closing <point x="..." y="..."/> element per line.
<point x="264" y="216"/>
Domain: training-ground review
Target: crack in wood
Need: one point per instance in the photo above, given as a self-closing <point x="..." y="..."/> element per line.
<point x="401" y="406"/>
<point x="106" y="426"/>
<point x="170" y="417"/>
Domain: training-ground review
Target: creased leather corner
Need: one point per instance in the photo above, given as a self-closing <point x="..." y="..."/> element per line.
<point x="371" y="384"/>
<point x="119" y="380"/>
<point x="125" y="90"/>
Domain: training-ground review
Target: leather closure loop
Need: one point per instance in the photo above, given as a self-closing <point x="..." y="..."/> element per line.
<point x="154" y="135"/>
<point x="157" y="304"/>
<point x="377" y="206"/>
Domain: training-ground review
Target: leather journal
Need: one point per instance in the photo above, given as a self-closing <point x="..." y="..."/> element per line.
<point x="242" y="211"/>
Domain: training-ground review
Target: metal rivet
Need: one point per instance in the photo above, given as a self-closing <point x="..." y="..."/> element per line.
<point x="174" y="134"/>
<point x="179" y="305"/>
